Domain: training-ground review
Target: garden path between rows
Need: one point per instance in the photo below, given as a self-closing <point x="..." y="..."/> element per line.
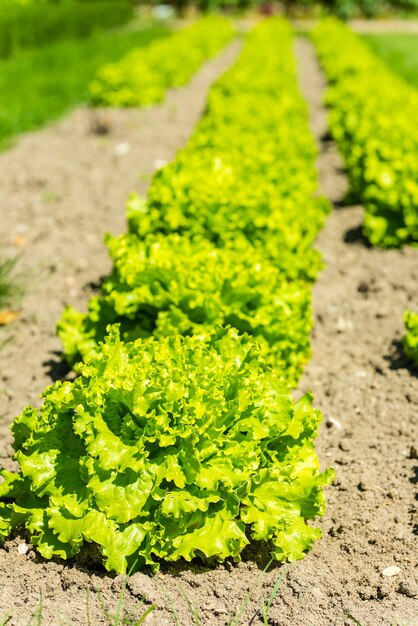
<point x="369" y="27"/>
<point x="61" y="189"/>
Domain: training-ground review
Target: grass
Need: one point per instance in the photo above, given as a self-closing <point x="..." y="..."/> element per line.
<point x="118" y="618"/>
<point x="400" y="53"/>
<point x="35" y="620"/>
<point x="265" y="607"/>
<point x="6" y="284"/>
<point x="41" y="85"/>
<point x="34" y="24"/>
<point x="236" y="618"/>
<point x="11" y="288"/>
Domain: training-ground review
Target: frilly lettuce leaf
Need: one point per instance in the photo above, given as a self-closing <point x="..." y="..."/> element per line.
<point x="167" y="449"/>
<point x="239" y="206"/>
<point x="168" y="285"/>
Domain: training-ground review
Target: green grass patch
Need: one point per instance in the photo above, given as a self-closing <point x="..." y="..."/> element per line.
<point x="41" y="85"/>
<point x="38" y="24"/>
<point x="400" y="53"/>
<point x="11" y="287"/>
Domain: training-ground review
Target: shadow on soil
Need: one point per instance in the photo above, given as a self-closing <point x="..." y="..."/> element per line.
<point x="398" y="361"/>
<point x="94" y="285"/>
<point x="354" y="236"/>
<point x="57" y="369"/>
<point x="256" y="552"/>
<point x="89" y="561"/>
<point x="414" y="481"/>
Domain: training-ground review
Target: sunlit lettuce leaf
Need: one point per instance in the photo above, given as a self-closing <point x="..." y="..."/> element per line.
<point x="248" y="172"/>
<point x="168" y="285"/>
<point x="167" y="449"/>
<point x="238" y="205"/>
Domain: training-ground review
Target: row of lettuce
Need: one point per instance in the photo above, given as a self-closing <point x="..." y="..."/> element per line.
<point x="180" y="438"/>
<point x="372" y="118"/>
<point x="35" y="89"/>
<point x="142" y="76"/>
<point x="32" y="24"/>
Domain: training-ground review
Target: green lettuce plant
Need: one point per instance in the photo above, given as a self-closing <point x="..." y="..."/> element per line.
<point x="173" y="284"/>
<point x="143" y="76"/>
<point x="167" y="449"/>
<point x="248" y="171"/>
<point x="232" y="213"/>
<point x="240" y="196"/>
<point x="182" y="440"/>
<point x="410" y="340"/>
<point x="371" y="113"/>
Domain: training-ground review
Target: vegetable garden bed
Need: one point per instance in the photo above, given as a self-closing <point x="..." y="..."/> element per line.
<point x="358" y="379"/>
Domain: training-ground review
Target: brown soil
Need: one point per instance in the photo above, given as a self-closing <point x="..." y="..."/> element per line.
<point x="367" y="392"/>
<point x="370" y="26"/>
<point x="385" y="26"/>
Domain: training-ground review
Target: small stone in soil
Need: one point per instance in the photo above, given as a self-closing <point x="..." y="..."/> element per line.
<point x="220" y="612"/>
<point x="331" y="421"/>
<point x="23" y="548"/>
<point x="361" y="374"/>
<point x="159" y="163"/>
<point x="393" y="570"/>
<point x="343" y="325"/>
<point x="121" y="149"/>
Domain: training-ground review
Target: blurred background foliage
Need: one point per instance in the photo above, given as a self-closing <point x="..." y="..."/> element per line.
<point x="31" y="22"/>
<point x="344" y="9"/>
<point x="50" y="50"/>
<point x="366" y="8"/>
